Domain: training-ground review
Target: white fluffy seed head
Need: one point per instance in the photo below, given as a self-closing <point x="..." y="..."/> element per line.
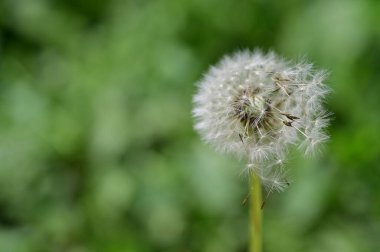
<point x="255" y="105"/>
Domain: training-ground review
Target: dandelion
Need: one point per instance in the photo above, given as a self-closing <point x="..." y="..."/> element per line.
<point x="256" y="106"/>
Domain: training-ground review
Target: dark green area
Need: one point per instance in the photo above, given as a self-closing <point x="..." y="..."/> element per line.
<point x="97" y="150"/>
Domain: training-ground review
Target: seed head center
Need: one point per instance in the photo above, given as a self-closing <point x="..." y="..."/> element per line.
<point x="250" y="106"/>
<point x="251" y="109"/>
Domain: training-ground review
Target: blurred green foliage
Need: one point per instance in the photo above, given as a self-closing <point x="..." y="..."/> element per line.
<point x="97" y="150"/>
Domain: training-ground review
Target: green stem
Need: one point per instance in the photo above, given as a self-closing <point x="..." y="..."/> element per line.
<point x="255" y="213"/>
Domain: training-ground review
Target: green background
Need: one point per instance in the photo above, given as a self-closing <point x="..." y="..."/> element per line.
<point x="97" y="149"/>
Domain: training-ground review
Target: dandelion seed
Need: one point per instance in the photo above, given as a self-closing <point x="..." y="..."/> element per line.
<point x="255" y="105"/>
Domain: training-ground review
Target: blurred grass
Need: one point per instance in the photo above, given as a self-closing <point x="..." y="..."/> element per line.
<point x="97" y="151"/>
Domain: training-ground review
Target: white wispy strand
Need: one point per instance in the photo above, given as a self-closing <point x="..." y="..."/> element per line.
<point x="255" y="105"/>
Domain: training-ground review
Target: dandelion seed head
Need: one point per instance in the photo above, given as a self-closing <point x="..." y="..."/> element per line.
<point x="255" y="105"/>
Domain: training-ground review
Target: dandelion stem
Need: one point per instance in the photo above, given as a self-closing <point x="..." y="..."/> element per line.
<point x="255" y="214"/>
